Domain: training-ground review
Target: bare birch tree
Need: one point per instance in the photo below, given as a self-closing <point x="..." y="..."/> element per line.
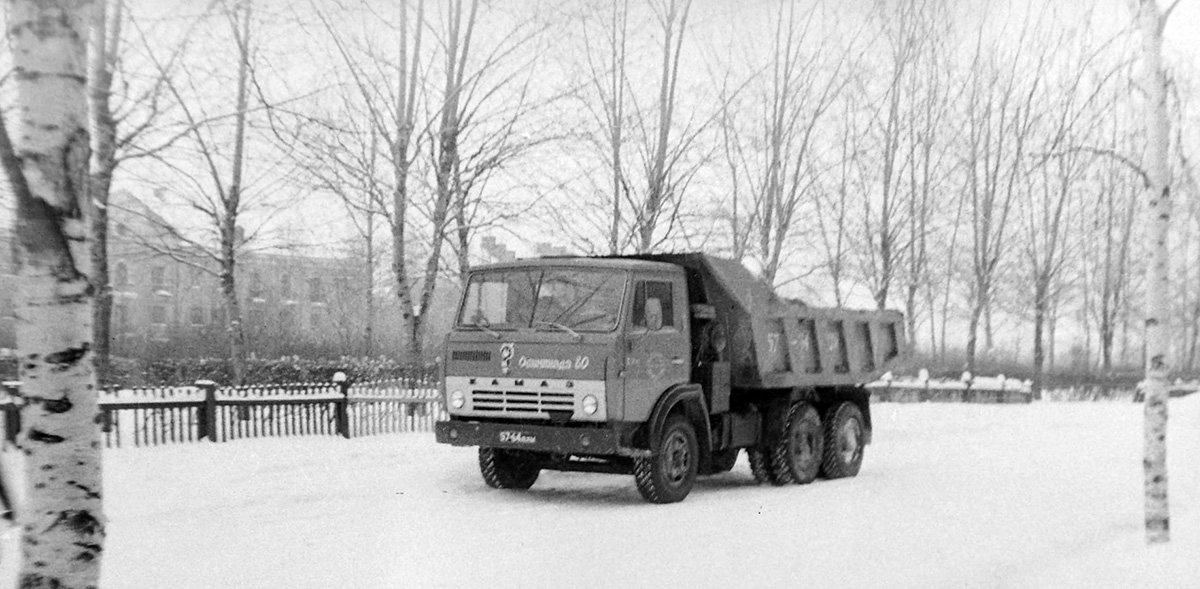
<point x="46" y="161"/>
<point x="1153" y="82"/>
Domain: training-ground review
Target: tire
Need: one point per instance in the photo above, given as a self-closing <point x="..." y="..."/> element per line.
<point x="798" y="455"/>
<point x="723" y="460"/>
<point x="758" y="465"/>
<point x="508" y="469"/>
<point x="667" y="475"/>
<point x="765" y="469"/>
<point x="845" y="431"/>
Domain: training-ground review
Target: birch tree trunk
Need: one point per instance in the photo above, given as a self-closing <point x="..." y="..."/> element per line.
<point x="47" y="164"/>
<point x="1158" y="193"/>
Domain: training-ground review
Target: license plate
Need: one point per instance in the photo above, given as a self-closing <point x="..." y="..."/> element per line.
<point x="517" y="437"/>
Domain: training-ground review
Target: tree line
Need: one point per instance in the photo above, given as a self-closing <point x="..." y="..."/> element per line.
<point x="977" y="168"/>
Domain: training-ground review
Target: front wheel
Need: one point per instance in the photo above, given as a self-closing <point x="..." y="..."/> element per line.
<point x="844" y="436"/>
<point x="668" y="474"/>
<point x="508" y="469"/>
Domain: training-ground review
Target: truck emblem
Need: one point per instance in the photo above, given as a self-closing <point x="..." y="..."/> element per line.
<point x="506" y="355"/>
<point x="510" y="437"/>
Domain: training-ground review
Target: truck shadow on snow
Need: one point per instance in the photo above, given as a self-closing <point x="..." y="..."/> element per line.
<point x="600" y="490"/>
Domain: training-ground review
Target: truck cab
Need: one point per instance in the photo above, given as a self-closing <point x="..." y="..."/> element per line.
<point x="569" y="343"/>
<point x="658" y="366"/>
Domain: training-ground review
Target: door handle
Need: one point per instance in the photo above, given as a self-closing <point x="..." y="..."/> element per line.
<point x="677" y="361"/>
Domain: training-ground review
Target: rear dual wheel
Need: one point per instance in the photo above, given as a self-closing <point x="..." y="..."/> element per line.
<point x="845" y="434"/>
<point x="797" y="456"/>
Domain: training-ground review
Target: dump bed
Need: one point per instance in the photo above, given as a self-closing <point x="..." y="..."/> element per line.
<point x="775" y="343"/>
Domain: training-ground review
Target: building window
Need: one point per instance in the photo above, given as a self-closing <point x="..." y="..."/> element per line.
<point x="255" y="316"/>
<point x="121" y="275"/>
<point x="121" y="319"/>
<point x="218" y="315"/>
<point x="196" y="315"/>
<point x="314" y="319"/>
<point x="287" y="318"/>
<point x="158" y="315"/>
<point x="158" y="277"/>
<point x="285" y="287"/>
<point x="316" y="291"/>
<point x="256" y="287"/>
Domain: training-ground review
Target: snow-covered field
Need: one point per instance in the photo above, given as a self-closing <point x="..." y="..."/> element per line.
<point x="1041" y="495"/>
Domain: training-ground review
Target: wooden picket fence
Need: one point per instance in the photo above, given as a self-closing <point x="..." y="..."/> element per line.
<point x="152" y="416"/>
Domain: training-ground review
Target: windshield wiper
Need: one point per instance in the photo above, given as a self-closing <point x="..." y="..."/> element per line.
<point x="484" y="328"/>
<point x="561" y="327"/>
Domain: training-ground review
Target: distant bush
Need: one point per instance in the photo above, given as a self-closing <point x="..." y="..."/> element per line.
<point x="1060" y="376"/>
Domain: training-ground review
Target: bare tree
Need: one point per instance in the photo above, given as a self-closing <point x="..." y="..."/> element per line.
<point x="904" y="28"/>
<point x="46" y="161"/>
<point x="223" y="202"/>
<point x="1001" y="113"/>
<point x="803" y="87"/>
<point x="929" y="87"/>
<point x="1107" y="240"/>
<point x="1150" y="22"/>
<point x="125" y="110"/>
<point x="650" y="143"/>
<point x="383" y="94"/>
<point x="833" y="200"/>
<point x="106" y="35"/>
<point x="1050" y="203"/>
<point x="471" y="127"/>
<point x="662" y="185"/>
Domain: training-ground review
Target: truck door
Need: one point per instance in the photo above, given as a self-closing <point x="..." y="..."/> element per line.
<point x="658" y="354"/>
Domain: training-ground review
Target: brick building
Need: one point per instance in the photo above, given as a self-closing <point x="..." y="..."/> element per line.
<point x="171" y="305"/>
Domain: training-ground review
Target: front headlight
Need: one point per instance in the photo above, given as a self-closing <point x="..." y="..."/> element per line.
<point x="590" y="405"/>
<point x="458" y="399"/>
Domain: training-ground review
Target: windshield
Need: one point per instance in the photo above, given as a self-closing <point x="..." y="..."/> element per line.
<point x="580" y="300"/>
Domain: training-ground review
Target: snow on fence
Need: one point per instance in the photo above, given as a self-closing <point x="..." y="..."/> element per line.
<point x="967" y="389"/>
<point x="998" y="389"/>
<point x="151" y="416"/>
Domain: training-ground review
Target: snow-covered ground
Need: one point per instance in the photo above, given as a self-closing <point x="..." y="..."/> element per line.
<point x="1041" y="495"/>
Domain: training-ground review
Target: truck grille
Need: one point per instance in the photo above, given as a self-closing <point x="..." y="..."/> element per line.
<point x="471" y="355"/>
<point x="526" y="398"/>
<point x="522" y="401"/>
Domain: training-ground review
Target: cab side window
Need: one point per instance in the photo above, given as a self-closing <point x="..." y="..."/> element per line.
<point x="653" y="289"/>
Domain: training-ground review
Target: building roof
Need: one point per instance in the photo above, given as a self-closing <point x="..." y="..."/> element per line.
<point x="615" y="263"/>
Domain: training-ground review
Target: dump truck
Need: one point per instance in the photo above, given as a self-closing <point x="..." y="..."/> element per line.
<point x="660" y="366"/>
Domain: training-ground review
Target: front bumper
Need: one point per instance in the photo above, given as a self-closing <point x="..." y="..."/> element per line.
<point x="537" y="438"/>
